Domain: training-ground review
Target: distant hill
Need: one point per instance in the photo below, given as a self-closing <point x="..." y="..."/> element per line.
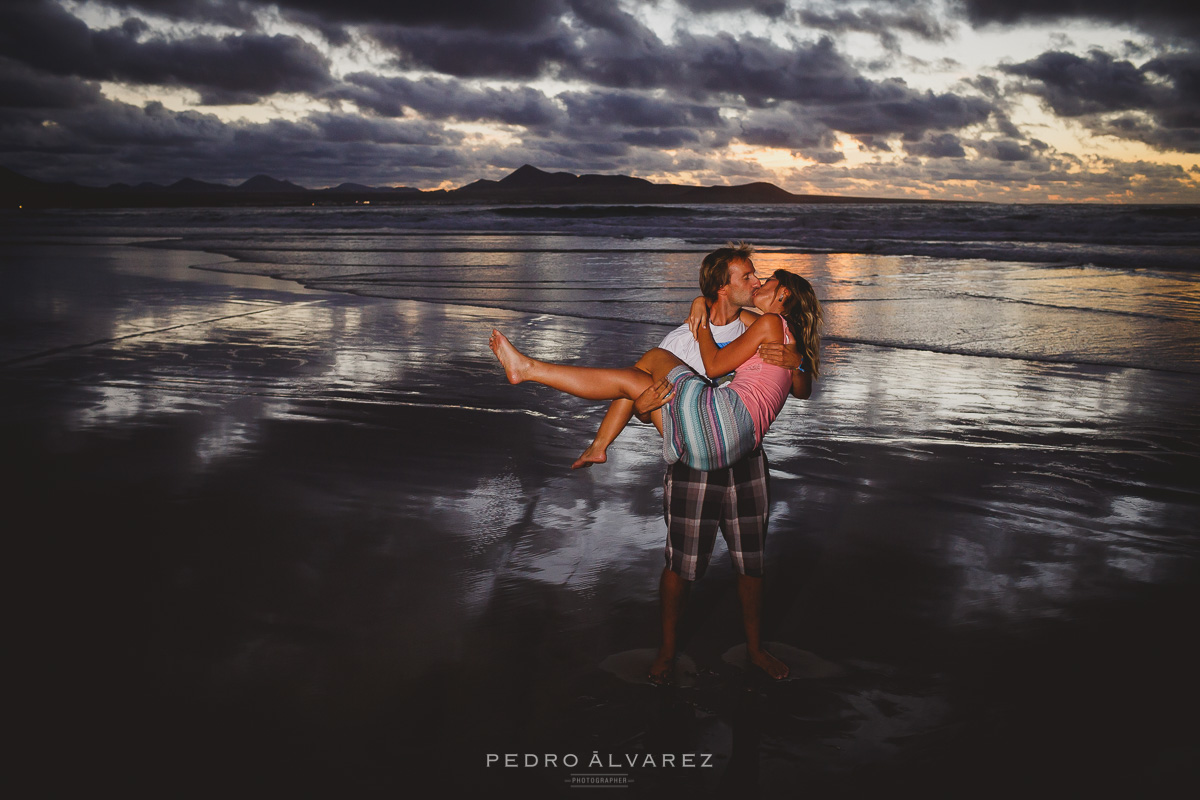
<point x="532" y="185"/>
<point x="191" y="185"/>
<point x="265" y="183"/>
<point x="527" y="185"/>
<point x="344" y="188"/>
<point x="15" y="183"/>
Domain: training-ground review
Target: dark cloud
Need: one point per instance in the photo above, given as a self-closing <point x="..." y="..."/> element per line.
<point x="636" y="110"/>
<point x="1184" y="139"/>
<point x="785" y="127"/>
<point x="455" y="14"/>
<point x="1074" y="86"/>
<point x="633" y="58"/>
<point x="343" y="128"/>
<point x="155" y="143"/>
<point x="917" y="20"/>
<point x="486" y="15"/>
<point x="768" y="8"/>
<point x="761" y="72"/>
<point x="473" y="54"/>
<point x="1182" y="70"/>
<point x="603" y="15"/>
<point x="234" y="13"/>
<point x="1167" y="17"/>
<point x="238" y="68"/>
<point x="108" y="125"/>
<point x="1005" y="125"/>
<point x="584" y="151"/>
<point x="816" y="81"/>
<point x="232" y="69"/>
<point x="625" y="55"/>
<point x="1101" y="90"/>
<point x="640" y="120"/>
<point x="894" y="107"/>
<point x="879" y="144"/>
<point x="335" y="33"/>
<point x="667" y="138"/>
<point x="445" y="99"/>
<point x="713" y="70"/>
<point x="22" y="87"/>
<point x="826" y="156"/>
<point x="1005" y="150"/>
<point x="942" y="145"/>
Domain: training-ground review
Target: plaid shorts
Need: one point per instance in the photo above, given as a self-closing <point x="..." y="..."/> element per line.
<point x="696" y="503"/>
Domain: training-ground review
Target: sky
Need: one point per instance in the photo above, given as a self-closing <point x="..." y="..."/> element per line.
<point x="1000" y="100"/>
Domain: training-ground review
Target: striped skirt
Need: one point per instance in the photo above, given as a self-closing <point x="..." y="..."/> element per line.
<point x="705" y="427"/>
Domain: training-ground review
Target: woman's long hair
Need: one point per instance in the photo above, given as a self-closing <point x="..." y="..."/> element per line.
<point x="802" y="311"/>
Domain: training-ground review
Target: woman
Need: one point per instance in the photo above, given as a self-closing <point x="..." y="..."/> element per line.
<point x="704" y="426"/>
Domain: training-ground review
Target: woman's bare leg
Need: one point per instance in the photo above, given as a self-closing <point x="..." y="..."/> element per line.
<point x="590" y="383"/>
<point x="619" y="413"/>
<point x="621" y="410"/>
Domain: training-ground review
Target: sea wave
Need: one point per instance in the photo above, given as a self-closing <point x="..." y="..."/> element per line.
<point x="1161" y="237"/>
<point x="1114" y="285"/>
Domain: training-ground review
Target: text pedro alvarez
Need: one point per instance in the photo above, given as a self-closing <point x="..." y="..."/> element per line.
<point x="610" y="761"/>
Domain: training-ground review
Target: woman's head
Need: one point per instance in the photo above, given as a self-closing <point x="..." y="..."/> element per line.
<point x="792" y="296"/>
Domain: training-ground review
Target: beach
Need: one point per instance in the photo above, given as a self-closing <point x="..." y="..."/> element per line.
<point x="285" y="536"/>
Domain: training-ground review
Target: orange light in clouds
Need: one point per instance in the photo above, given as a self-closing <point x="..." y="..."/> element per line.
<point x="771" y="158"/>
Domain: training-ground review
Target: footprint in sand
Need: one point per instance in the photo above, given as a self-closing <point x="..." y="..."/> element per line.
<point x="633" y="666"/>
<point x="801" y="663"/>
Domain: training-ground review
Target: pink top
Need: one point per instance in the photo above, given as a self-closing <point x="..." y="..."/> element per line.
<point x="763" y="388"/>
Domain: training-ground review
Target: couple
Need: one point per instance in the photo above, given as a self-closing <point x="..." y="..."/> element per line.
<point x="717" y="473"/>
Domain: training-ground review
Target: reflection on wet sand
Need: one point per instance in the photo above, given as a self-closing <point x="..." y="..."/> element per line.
<point x="350" y="556"/>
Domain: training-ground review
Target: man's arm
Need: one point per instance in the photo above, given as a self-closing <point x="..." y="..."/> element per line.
<point x="784" y="355"/>
<point x="801" y="384"/>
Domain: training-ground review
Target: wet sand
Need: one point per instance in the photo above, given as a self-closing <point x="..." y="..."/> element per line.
<point x="273" y="540"/>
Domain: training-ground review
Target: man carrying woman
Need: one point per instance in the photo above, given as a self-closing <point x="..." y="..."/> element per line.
<point x="717" y="475"/>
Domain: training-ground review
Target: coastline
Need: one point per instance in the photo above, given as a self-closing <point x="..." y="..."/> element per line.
<point x="344" y="546"/>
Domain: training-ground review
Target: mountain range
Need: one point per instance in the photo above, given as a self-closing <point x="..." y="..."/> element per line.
<point x="524" y="186"/>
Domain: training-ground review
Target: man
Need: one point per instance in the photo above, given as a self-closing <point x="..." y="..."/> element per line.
<point x="734" y="499"/>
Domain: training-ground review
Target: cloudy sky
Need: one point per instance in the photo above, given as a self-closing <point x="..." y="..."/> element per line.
<point x="1021" y="100"/>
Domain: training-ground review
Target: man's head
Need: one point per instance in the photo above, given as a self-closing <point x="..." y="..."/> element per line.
<point x="729" y="270"/>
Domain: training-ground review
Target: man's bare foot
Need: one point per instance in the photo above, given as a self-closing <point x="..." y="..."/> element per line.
<point x="776" y="669"/>
<point x="516" y="364"/>
<point x="592" y="455"/>
<point x="662" y="671"/>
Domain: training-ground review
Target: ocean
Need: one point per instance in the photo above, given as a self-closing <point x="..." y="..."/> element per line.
<point x="1108" y="285"/>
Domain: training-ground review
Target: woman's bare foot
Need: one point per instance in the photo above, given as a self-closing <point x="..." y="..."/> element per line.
<point x="769" y="664"/>
<point x="662" y="671"/>
<point x="516" y="364"/>
<point x="592" y="455"/>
